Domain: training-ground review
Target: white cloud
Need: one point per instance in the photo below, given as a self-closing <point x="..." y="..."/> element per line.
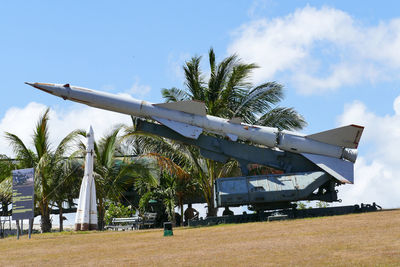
<point x="175" y="65"/>
<point x="139" y="89"/>
<point x="396" y="105"/>
<point x="377" y="169"/>
<point x="320" y="49"/>
<point x="21" y="121"/>
<point x="259" y="6"/>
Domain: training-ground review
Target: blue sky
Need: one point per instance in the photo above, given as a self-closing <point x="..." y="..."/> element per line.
<point x="338" y="61"/>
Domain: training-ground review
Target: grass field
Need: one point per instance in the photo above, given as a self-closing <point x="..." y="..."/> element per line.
<point x="369" y="239"/>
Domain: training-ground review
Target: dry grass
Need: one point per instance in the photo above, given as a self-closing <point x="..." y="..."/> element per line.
<point x="352" y="240"/>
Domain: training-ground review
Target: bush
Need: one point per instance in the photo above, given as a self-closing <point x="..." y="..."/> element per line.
<point x="117" y="211"/>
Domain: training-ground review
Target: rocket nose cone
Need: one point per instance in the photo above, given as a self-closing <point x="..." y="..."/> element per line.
<point x="46" y="87"/>
<point x="90" y="132"/>
<point x="35" y="85"/>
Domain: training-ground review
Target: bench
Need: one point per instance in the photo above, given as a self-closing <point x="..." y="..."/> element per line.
<point x="125" y="223"/>
<point x="146" y="220"/>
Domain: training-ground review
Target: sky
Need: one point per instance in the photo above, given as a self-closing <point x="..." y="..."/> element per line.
<point x="339" y="62"/>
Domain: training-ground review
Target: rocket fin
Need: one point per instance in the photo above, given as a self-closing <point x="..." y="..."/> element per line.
<point x="342" y="170"/>
<point x="347" y="136"/>
<point x="192" y="107"/>
<point x="184" y="129"/>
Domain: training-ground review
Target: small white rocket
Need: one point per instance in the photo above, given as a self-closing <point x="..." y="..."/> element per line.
<point x="86" y="214"/>
<point x="334" y="151"/>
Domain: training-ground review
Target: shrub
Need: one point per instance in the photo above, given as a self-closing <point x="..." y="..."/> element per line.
<point x="117" y="211"/>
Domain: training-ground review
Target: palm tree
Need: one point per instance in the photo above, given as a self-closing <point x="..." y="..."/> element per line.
<point x="173" y="186"/>
<point x="113" y="174"/>
<point x="65" y="182"/>
<point x="45" y="161"/>
<point x="228" y="93"/>
<point x="175" y="163"/>
<point x="6" y="166"/>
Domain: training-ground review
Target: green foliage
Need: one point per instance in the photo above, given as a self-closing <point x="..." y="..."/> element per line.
<point x="144" y="200"/>
<point x="164" y="192"/>
<point x="114" y="174"/>
<point x="301" y="205"/>
<point x="117" y="211"/>
<point x="322" y="204"/>
<point x="6" y="166"/>
<point x="228" y="93"/>
<point x="48" y="164"/>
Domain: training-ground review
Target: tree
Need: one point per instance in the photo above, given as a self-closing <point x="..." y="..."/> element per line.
<point x="171" y="188"/>
<point x="175" y="164"/>
<point x="45" y="161"/>
<point x="65" y="181"/>
<point x="6" y="165"/>
<point x="228" y="93"/>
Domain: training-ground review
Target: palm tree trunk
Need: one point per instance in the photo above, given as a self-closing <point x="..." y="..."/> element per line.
<point x="211" y="210"/>
<point x="45" y="222"/>
<point x="61" y="217"/>
<point x="100" y="216"/>
<point x="181" y="220"/>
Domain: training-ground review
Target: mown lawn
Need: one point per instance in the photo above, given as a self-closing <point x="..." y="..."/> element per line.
<point x="369" y="239"/>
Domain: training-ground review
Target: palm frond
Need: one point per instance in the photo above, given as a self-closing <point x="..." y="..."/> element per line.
<point x="41" y="135"/>
<point x="194" y="80"/>
<point x="167" y="165"/>
<point x="238" y="79"/>
<point x="211" y="59"/>
<point x="64" y="145"/>
<point x="6" y="190"/>
<point x="174" y="95"/>
<point x="107" y="147"/>
<point x="257" y="101"/>
<point x="218" y="80"/>
<point x="6" y="166"/>
<point x="229" y="169"/>
<point x="43" y="170"/>
<point x="20" y="150"/>
<point x="148" y="143"/>
<point x="283" y="119"/>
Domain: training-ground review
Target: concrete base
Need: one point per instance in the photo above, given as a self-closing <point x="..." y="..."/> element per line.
<point x="85" y="227"/>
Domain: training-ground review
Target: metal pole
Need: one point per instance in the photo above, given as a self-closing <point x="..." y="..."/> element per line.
<point x="2" y="228"/>
<point x="22" y="227"/>
<point x="30" y="228"/>
<point x="17" y="229"/>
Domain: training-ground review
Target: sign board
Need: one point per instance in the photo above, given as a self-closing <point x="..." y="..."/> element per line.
<point x="22" y="194"/>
